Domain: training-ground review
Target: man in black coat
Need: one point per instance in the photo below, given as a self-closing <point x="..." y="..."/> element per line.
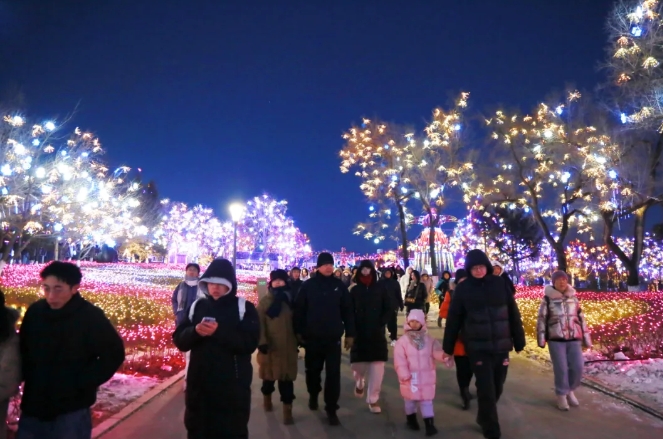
<point x="68" y="349"/>
<point x="372" y="309"/>
<point x="394" y="292"/>
<point x="323" y="312"/>
<point x="486" y="313"/>
<point x="221" y="331"/>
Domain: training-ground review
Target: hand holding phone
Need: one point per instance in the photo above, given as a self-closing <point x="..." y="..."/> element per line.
<point x="207" y="326"/>
<point x="209" y="320"/>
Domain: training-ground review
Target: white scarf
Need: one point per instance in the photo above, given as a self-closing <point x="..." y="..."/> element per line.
<point x="181" y="292"/>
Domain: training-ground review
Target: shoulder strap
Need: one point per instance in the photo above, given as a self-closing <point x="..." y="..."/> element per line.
<point x="241" y="304"/>
<point x="193" y="308"/>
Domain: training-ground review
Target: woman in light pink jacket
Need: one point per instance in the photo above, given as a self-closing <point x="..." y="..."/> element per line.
<point x="414" y="361"/>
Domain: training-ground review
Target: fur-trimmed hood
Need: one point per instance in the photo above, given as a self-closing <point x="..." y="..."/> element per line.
<point x="552" y="293"/>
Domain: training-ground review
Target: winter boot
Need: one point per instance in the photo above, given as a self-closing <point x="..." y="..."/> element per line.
<point x="430" y="427"/>
<point x="267" y="402"/>
<point x="412" y="422"/>
<point x="465" y="396"/>
<point x="573" y="401"/>
<point x="333" y="418"/>
<point x="562" y="403"/>
<point x="287" y="414"/>
<point x="313" y="402"/>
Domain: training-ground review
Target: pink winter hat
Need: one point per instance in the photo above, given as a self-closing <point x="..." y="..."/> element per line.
<point x="418" y="315"/>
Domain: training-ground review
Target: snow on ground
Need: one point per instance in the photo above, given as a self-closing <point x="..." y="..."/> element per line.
<point x="641" y="380"/>
<point x="119" y="391"/>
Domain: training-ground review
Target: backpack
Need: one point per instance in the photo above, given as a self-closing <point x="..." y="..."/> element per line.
<point x="241" y="305"/>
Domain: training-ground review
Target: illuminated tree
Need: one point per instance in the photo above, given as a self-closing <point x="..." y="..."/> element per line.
<point x="44" y="178"/>
<point x="514" y="232"/>
<point x="629" y="176"/>
<point x="437" y="164"/>
<point x="540" y="168"/>
<point x="375" y="150"/>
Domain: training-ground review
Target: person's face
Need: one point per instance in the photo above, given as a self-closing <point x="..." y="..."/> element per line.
<point x="561" y="284"/>
<point x="295" y="274"/>
<point x="497" y="270"/>
<point x="338" y="273"/>
<point x="305" y="272"/>
<point x="446" y="276"/>
<point x="326" y="270"/>
<point x="217" y="290"/>
<point x="414" y="324"/>
<point x="278" y="283"/>
<point x="424" y="277"/>
<point x="56" y="292"/>
<point x="387" y="274"/>
<point x="192" y="272"/>
<point x="479" y="271"/>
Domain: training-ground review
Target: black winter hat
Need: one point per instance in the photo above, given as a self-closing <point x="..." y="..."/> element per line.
<point x="220" y="271"/>
<point x="477" y="257"/>
<point x="278" y="274"/>
<point x="325" y="258"/>
<point x="460" y="273"/>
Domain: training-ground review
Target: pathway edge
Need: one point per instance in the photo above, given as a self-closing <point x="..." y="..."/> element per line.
<point x="600" y="387"/>
<point x="135" y="405"/>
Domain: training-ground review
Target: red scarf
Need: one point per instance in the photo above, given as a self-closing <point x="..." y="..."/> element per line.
<point x="366" y="280"/>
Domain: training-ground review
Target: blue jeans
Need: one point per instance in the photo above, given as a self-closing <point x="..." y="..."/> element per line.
<point x="74" y="425"/>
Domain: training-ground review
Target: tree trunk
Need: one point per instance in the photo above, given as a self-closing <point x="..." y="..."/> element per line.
<point x="632" y="264"/>
<point x="431" y="243"/>
<point x="560" y="254"/>
<point x="8" y="248"/>
<point x="404" y="243"/>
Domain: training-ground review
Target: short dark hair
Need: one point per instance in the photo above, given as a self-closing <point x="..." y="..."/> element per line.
<point x="295" y="269"/>
<point x="196" y="266"/>
<point x="64" y="271"/>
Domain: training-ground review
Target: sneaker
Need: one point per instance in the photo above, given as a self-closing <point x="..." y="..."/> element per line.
<point x="375" y="408"/>
<point x="562" y="403"/>
<point x="393" y="343"/>
<point x="573" y="401"/>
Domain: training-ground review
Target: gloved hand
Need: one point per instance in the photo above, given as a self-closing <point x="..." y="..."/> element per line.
<point x="349" y="341"/>
<point x="263" y="349"/>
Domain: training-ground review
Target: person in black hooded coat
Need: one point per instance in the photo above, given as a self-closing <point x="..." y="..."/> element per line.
<point x="372" y="309"/>
<point x="486" y="313"/>
<point x="218" y="391"/>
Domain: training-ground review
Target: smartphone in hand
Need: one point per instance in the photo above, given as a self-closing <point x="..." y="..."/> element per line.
<point x="208" y="320"/>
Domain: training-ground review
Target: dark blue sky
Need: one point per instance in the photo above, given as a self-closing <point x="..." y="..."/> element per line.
<point x="221" y="100"/>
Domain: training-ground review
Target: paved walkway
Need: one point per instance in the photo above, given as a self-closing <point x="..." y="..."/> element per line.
<point x="526" y="411"/>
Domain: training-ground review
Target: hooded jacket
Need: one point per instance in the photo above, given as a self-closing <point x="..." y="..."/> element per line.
<point x="372" y="309"/>
<point x="506" y="277"/>
<point x="393" y="288"/>
<point x="218" y="391"/>
<point x="416" y="367"/>
<point x="485" y="311"/>
<point x="561" y="318"/>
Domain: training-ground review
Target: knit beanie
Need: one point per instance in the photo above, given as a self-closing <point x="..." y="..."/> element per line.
<point x="278" y="274"/>
<point x="325" y="258"/>
<point x="559" y="274"/>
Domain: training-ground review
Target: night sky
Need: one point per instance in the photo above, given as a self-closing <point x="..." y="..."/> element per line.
<point x="219" y="100"/>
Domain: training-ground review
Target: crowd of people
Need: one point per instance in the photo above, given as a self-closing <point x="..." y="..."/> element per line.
<point x="67" y="348"/>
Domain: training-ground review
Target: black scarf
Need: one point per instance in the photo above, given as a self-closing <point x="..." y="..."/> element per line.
<point x="280" y="295"/>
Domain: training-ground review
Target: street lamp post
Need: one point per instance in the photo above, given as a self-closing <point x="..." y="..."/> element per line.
<point x="236" y="211"/>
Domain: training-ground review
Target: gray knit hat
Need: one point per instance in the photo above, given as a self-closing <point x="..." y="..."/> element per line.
<point x="559" y="274"/>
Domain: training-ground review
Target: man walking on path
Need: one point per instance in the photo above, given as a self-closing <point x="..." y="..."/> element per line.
<point x="323" y="312"/>
<point x="183" y="297"/>
<point x="393" y="288"/>
<point x="221" y="331"/>
<point x="68" y="348"/>
<point x="485" y="312"/>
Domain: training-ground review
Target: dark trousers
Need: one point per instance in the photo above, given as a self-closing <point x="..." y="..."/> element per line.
<point x="463" y="371"/>
<point x="74" y="425"/>
<point x="286" y="390"/>
<point x="490" y="372"/>
<point x="426" y="308"/>
<point x="392" y="325"/>
<point x="324" y="354"/>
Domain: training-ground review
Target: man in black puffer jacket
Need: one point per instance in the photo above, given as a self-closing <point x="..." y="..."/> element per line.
<point x="221" y="331"/>
<point x="486" y="313"/>
<point x="323" y="312"/>
<point x="394" y="292"/>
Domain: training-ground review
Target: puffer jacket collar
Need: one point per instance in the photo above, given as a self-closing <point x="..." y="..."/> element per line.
<point x="552" y="293"/>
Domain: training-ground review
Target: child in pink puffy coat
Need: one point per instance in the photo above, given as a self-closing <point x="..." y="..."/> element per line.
<point x="414" y="361"/>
